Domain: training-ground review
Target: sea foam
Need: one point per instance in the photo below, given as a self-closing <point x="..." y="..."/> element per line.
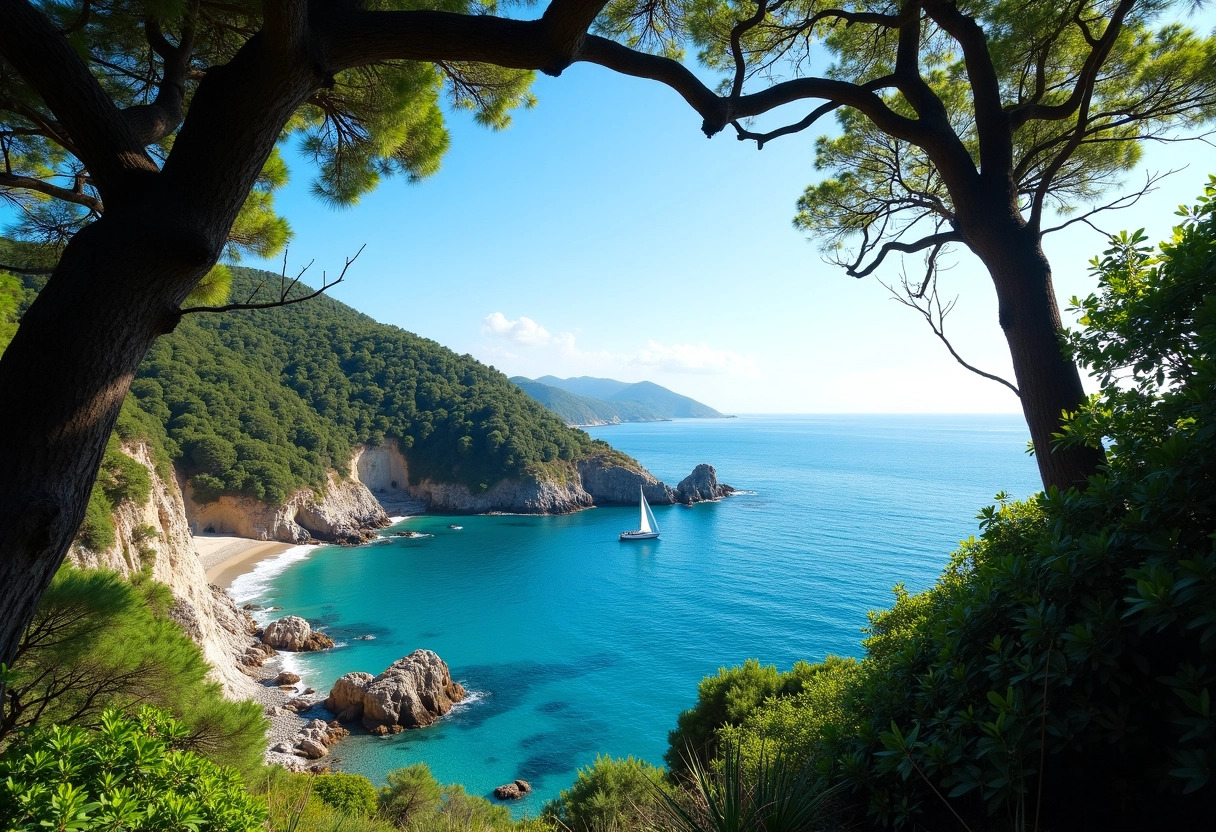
<point x="254" y="583"/>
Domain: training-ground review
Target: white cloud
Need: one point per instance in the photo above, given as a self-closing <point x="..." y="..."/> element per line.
<point x="523" y="331"/>
<point x="560" y="354"/>
<point x="692" y="358"/>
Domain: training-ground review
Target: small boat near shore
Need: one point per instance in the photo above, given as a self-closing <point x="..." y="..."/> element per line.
<point x="648" y="527"/>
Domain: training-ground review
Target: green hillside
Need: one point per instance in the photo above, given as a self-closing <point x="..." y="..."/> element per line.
<point x="664" y="402"/>
<point x="585" y="410"/>
<point x="260" y="403"/>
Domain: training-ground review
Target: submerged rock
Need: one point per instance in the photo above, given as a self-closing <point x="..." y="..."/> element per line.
<point x="293" y="633"/>
<point x="513" y="791"/>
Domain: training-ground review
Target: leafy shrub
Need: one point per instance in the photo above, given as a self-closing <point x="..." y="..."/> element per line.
<point x="411" y="792"/>
<point x="98" y="641"/>
<point x="1062" y="667"/>
<point x="722" y="700"/>
<point x="351" y="794"/>
<point x="611" y="794"/>
<point x="129" y="773"/>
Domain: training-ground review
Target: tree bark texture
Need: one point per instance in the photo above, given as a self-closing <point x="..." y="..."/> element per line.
<point x="1048" y="381"/>
<point x="121" y="280"/>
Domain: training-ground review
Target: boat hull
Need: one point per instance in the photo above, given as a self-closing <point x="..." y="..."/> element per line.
<point x="639" y="535"/>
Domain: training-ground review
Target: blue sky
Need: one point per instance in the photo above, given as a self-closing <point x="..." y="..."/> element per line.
<point x="603" y="234"/>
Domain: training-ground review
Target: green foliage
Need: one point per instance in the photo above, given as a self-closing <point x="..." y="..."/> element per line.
<point x="10" y="299"/>
<point x="131" y="772"/>
<point x="411" y="793"/>
<point x="262" y="403"/>
<point x="98" y="641"/>
<point x="1062" y="666"/>
<point x="774" y="795"/>
<point x="609" y="795"/>
<point x="725" y="700"/>
<point x="351" y="794"/>
<point x="365" y="125"/>
<point x="294" y="806"/>
<point x="120" y="479"/>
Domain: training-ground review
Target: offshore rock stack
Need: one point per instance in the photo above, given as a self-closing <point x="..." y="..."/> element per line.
<point x="412" y="692"/>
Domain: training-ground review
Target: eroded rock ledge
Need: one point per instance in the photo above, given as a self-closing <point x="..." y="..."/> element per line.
<point x="412" y="692"/>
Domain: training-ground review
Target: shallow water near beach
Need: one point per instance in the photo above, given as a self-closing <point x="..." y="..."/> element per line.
<point x="574" y="644"/>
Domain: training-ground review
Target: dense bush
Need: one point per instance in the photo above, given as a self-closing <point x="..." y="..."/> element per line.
<point x="726" y="700"/>
<point x="98" y="641"/>
<point x="351" y="794"/>
<point x="1060" y="671"/>
<point x="610" y="795"/>
<point x="131" y="772"/>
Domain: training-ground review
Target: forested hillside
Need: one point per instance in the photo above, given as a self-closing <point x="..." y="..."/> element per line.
<point x="665" y="403"/>
<point x="585" y="410"/>
<point x="261" y="402"/>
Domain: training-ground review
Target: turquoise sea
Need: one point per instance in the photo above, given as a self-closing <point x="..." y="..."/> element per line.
<point x="575" y="644"/>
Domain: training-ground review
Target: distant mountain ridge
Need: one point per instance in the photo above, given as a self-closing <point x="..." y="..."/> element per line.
<point x="586" y="400"/>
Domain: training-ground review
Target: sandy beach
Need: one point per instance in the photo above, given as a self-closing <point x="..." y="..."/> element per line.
<point x="225" y="557"/>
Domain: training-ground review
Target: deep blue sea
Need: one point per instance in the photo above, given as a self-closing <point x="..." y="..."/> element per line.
<point x="575" y="644"/>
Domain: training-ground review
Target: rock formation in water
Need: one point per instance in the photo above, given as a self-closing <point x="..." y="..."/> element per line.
<point x="294" y="633"/>
<point x="513" y="791"/>
<point x="702" y="485"/>
<point x="608" y="483"/>
<point x="412" y="692"/>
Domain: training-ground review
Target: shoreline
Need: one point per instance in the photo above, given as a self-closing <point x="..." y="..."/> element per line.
<point x="225" y="558"/>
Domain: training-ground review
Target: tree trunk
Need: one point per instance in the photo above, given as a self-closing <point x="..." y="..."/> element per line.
<point x="1047" y="379"/>
<point x="64" y="377"/>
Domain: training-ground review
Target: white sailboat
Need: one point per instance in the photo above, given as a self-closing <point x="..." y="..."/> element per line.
<point x="648" y="528"/>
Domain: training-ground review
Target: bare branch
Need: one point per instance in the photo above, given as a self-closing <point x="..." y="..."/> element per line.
<point x="928" y="303"/>
<point x="1126" y="201"/>
<point x="30" y="183"/>
<point x="932" y="241"/>
<point x="736" y="47"/>
<point x="5" y="267"/>
<point x="285" y="289"/>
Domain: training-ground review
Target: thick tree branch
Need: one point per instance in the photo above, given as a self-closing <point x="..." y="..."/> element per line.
<point x="991" y="121"/>
<point x="932" y="241"/>
<point x="103" y="140"/>
<point x="152" y="122"/>
<point x="356" y="37"/>
<point x="1099" y="52"/>
<point x="30" y="183"/>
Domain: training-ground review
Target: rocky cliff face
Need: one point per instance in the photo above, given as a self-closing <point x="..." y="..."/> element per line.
<point x="157" y="534"/>
<point x="608" y="483"/>
<point x="345" y="514"/>
<point x="592" y="482"/>
<point x="701" y="485"/>
<point x="524" y="496"/>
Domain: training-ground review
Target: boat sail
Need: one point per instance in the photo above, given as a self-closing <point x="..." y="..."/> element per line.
<point x="648" y="527"/>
